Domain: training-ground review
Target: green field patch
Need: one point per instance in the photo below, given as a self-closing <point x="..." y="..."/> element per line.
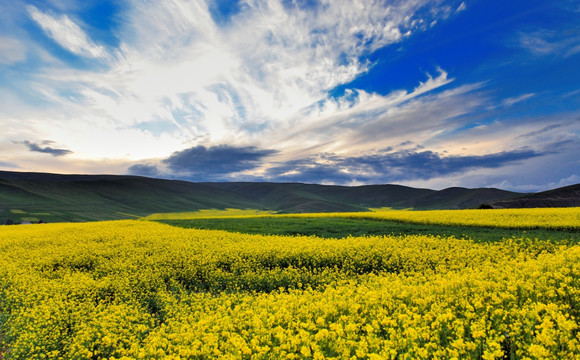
<point x="207" y="213"/>
<point x="129" y="215"/>
<point x="15" y="211"/>
<point x="335" y="227"/>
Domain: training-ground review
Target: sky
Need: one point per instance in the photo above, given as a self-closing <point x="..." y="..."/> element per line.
<point x="434" y="94"/>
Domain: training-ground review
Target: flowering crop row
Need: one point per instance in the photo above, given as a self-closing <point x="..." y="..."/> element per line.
<point x="144" y="290"/>
<point x="545" y="218"/>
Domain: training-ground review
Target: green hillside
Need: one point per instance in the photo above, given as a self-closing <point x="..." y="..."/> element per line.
<point x="90" y="198"/>
<point x="568" y="196"/>
<point x="31" y="197"/>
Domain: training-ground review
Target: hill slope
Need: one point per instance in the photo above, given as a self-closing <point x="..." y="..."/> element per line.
<point x="54" y="197"/>
<point x="561" y="197"/>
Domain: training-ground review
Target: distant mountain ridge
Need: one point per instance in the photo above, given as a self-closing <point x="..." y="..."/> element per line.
<point x="568" y="196"/>
<point x="57" y="197"/>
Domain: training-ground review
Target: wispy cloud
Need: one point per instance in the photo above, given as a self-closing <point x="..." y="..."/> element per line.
<point x="573" y="50"/>
<point x="67" y="33"/>
<point x="361" y="121"/>
<point x="12" y="50"/>
<point x="9" y="165"/>
<point x="530" y="188"/>
<point x="44" y="147"/>
<point x="543" y="130"/>
<point x="549" y="42"/>
<point x="537" y="43"/>
<point x="200" y="83"/>
<point x="514" y="100"/>
<point x="270" y="60"/>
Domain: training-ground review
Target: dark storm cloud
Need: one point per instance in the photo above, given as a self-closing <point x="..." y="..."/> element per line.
<point x="386" y="166"/>
<point x="216" y="160"/>
<point x="144" y="170"/>
<point x="200" y="163"/>
<point x="44" y="147"/>
<point x="225" y="163"/>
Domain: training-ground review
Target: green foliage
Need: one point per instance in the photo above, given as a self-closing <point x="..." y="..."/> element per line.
<point x="337" y="227"/>
<point x="208" y="213"/>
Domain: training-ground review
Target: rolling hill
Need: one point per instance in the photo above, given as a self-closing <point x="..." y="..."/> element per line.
<point x="561" y="197"/>
<point x="54" y="197"/>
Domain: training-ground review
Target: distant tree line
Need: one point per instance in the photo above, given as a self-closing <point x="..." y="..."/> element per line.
<point x="11" y="222"/>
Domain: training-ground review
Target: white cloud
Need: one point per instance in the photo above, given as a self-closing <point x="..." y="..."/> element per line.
<point x="461" y="7"/>
<point x="573" y="50"/>
<point x="544" y="42"/>
<point x="179" y="80"/>
<point x="524" y="187"/>
<point x="67" y="5"/>
<point x="236" y="82"/>
<point x="12" y="51"/>
<point x="558" y="149"/>
<point x="522" y="177"/>
<point x="361" y="121"/>
<point x="67" y="34"/>
<point x="537" y="42"/>
<point x="514" y="100"/>
<point x="532" y="188"/>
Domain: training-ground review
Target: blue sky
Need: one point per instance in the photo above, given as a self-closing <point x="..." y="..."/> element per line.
<point x="422" y="93"/>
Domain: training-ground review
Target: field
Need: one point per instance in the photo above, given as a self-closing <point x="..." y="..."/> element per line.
<point x="486" y="284"/>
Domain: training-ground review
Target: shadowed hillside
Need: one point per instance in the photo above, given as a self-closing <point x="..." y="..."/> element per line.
<point x="567" y="196"/>
<point x="31" y="197"/>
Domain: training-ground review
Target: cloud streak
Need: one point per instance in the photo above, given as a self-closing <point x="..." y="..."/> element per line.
<point x="45" y="149"/>
<point x="544" y="42"/>
<point x="66" y="33"/>
<point x="8" y="164"/>
<point x="390" y="166"/>
<point x="361" y="121"/>
<point x="514" y="100"/>
<point x="12" y="51"/>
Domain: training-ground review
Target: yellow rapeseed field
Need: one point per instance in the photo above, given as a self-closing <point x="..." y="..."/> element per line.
<point x="547" y="218"/>
<point x="136" y="289"/>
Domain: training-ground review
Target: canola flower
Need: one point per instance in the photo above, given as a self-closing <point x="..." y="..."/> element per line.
<point x="536" y="218"/>
<point x="143" y="290"/>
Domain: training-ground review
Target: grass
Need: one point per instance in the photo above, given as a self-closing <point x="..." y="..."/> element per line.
<point x="93" y="198"/>
<point x="62" y="214"/>
<point x="333" y="227"/>
<point x="207" y="213"/>
<point x="105" y="197"/>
